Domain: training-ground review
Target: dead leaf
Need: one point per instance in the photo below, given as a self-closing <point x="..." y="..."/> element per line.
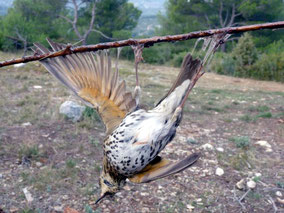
<point x="70" y="210"/>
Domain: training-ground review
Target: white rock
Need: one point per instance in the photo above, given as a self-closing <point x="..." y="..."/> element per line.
<point x="144" y="193"/>
<point x="251" y="184"/>
<point x="207" y="146"/>
<point x="220" y="149"/>
<point x="263" y="143"/>
<point x="37" y="87"/>
<point x="26" y="124"/>
<point x="28" y="195"/>
<point x="257" y="174"/>
<point x="198" y="199"/>
<point x="189" y="207"/>
<point x="72" y="110"/>
<point x="268" y="150"/>
<point x="278" y="193"/>
<point x="58" y="208"/>
<point x="65" y="197"/>
<point x="38" y="164"/>
<point x="219" y="171"/>
<point x="241" y="184"/>
<point x="127" y="188"/>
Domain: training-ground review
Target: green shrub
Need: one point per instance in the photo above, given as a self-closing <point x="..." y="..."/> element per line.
<point x="245" y="55"/>
<point x="91" y="113"/>
<point x="223" y="64"/>
<point x="241" y="142"/>
<point x="269" y="67"/>
<point x="158" y="54"/>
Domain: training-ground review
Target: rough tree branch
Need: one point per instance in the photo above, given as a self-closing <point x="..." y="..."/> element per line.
<point x="82" y="36"/>
<point x="147" y="42"/>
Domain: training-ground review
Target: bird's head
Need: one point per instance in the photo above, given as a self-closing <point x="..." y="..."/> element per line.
<point x="109" y="186"/>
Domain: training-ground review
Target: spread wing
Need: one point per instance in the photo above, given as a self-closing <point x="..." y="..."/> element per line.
<point x="90" y="76"/>
<point x="160" y="168"/>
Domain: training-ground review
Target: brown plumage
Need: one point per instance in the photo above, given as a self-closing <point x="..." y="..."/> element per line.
<point x="134" y="137"/>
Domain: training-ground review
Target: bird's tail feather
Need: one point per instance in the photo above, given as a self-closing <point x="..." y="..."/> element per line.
<point x="188" y="70"/>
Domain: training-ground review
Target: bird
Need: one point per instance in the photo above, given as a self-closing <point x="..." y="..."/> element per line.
<point x="134" y="136"/>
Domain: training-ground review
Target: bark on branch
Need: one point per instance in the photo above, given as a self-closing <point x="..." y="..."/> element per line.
<point x="147" y="42"/>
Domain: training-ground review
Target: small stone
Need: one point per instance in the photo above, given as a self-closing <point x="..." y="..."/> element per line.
<point x="241" y="184"/>
<point x="145" y="209"/>
<point x="144" y="193"/>
<point x="278" y="193"/>
<point x="58" y="208"/>
<point x="268" y="150"/>
<point x="72" y="110"/>
<point x="28" y="195"/>
<point x="198" y="199"/>
<point x="220" y="149"/>
<point x="189" y="207"/>
<point x="251" y="184"/>
<point x="263" y="143"/>
<point x="37" y="87"/>
<point x="14" y="209"/>
<point x="219" y="171"/>
<point x="191" y="141"/>
<point x="38" y="164"/>
<point x="127" y="188"/>
<point x="26" y="124"/>
<point x="207" y="146"/>
<point x="257" y="174"/>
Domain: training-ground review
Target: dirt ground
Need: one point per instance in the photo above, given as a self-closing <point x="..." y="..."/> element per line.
<point x="58" y="162"/>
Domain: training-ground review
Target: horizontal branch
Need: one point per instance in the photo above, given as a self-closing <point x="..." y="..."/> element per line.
<point x="147" y="42"/>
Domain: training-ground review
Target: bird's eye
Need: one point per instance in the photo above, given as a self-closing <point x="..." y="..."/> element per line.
<point x="108" y="183"/>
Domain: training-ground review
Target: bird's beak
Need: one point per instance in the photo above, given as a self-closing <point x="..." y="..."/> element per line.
<point x="102" y="196"/>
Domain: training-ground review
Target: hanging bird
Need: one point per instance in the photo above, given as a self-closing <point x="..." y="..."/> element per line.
<point x="134" y="136"/>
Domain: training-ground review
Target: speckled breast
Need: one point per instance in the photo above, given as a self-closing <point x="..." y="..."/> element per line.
<point x="127" y="155"/>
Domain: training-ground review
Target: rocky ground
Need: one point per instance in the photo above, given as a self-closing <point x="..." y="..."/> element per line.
<point x="49" y="163"/>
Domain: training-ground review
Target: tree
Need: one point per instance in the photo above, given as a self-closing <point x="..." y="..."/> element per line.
<point x="117" y="18"/>
<point x="31" y="21"/>
<point x="245" y="55"/>
<point x="83" y="35"/>
<point x="108" y="19"/>
<point x="189" y="15"/>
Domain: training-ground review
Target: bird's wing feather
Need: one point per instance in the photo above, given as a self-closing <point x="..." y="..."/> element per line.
<point x="162" y="168"/>
<point x="92" y="79"/>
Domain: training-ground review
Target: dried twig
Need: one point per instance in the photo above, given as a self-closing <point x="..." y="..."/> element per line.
<point x="244" y="195"/>
<point x="237" y="199"/>
<point x="273" y="203"/>
<point x="147" y="41"/>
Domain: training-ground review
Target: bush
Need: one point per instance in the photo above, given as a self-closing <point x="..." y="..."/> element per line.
<point x="245" y="55"/>
<point x="244" y="61"/>
<point x="159" y="54"/>
<point x="269" y="67"/>
<point x="223" y="64"/>
<point x="241" y="142"/>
